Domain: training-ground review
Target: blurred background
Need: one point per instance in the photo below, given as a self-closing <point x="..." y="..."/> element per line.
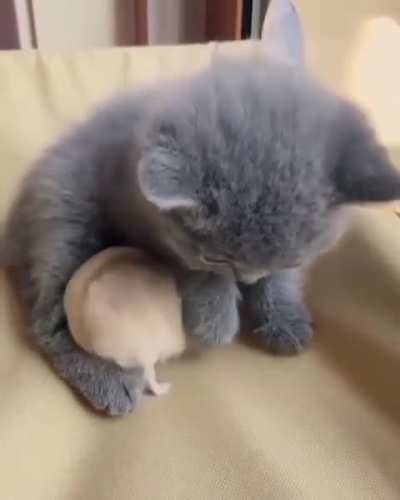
<point x="64" y="24"/>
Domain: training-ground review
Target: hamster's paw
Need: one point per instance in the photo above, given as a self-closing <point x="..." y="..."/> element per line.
<point x="159" y="388"/>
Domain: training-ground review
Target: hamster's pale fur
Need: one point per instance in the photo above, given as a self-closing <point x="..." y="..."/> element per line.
<point x="112" y="312"/>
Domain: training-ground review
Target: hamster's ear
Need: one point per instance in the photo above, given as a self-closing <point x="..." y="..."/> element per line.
<point x="363" y="172"/>
<point x="283" y="33"/>
<point x="164" y="181"/>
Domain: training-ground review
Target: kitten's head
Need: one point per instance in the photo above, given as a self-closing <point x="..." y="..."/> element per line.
<point x="250" y="163"/>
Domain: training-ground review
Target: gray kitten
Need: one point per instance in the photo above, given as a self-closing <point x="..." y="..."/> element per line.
<point x="237" y="176"/>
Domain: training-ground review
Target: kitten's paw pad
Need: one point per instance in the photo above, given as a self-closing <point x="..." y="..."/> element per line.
<point x="286" y="337"/>
<point x="105" y="386"/>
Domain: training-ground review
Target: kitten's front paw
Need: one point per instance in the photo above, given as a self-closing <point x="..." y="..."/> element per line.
<point x="211" y="325"/>
<point x="287" y="331"/>
<point x="105" y="385"/>
<point x="209" y="309"/>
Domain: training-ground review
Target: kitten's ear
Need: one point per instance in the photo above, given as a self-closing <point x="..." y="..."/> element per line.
<point x="164" y="181"/>
<point x="364" y="172"/>
<point x="283" y="33"/>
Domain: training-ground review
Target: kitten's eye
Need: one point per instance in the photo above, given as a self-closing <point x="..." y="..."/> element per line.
<point x="213" y="261"/>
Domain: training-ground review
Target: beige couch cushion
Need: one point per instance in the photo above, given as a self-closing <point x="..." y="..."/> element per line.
<point x="239" y="424"/>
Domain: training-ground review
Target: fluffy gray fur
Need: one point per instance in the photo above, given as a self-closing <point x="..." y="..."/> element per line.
<point x="236" y="176"/>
